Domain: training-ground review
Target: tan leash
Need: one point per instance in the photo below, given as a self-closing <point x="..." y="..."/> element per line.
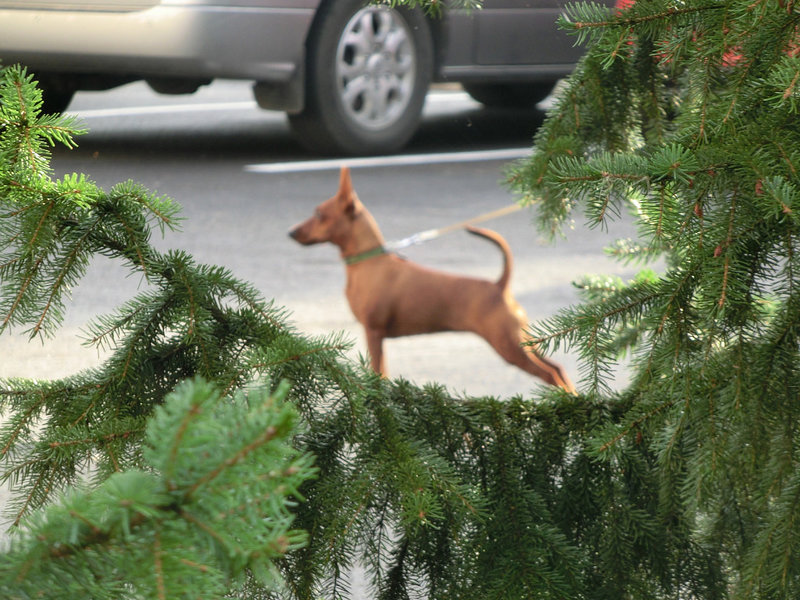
<point x="431" y="234"/>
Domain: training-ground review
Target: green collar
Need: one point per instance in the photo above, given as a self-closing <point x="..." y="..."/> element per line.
<point x="362" y="256"/>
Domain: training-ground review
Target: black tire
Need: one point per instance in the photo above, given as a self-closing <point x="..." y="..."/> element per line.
<point x="364" y="98"/>
<point x="509" y="95"/>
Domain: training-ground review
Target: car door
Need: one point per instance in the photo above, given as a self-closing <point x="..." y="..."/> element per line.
<point x="514" y="39"/>
<point x="522" y="32"/>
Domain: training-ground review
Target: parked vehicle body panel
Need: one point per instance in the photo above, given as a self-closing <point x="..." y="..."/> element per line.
<point x="508" y="40"/>
<point x="170" y="38"/>
<point x="355" y="74"/>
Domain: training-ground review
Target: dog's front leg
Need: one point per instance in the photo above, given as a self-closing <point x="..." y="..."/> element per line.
<point x="375" y="349"/>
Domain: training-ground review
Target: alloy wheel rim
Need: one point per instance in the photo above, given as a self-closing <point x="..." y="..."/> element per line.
<point x="375" y="67"/>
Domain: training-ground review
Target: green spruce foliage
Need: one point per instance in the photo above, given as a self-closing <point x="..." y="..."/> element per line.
<point x="685" y="114"/>
<point x="683" y="485"/>
<point x="192" y="517"/>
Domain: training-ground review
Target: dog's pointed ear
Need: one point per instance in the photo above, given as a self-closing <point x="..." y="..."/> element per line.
<point x="345" y="183"/>
<point x="346" y="193"/>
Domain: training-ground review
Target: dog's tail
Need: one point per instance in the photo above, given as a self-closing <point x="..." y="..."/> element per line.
<point x="500" y="242"/>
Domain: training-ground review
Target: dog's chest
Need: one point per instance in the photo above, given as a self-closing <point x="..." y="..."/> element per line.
<point x="372" y="295"/>
<point x="361" y="293"/>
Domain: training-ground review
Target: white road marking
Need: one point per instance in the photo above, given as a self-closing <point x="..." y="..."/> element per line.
<point x="130" y="111"/>
<point x="389" y="161"/>
<point x="124" y="111"/>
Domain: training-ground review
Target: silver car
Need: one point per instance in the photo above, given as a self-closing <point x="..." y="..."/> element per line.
<point x="352" y="77"/>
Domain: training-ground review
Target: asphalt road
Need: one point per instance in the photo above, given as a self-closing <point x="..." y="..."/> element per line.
<point x="243" y="182"/>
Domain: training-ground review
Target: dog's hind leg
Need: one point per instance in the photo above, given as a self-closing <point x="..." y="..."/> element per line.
<point x="555" y="371"/>
<point x="532" y="362"/>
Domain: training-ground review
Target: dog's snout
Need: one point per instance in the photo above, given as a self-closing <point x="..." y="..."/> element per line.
<point x="301" y="235"/>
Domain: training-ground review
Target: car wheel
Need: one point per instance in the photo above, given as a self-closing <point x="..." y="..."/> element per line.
<point x="509" y="95"/>
<point x="367" y="75"/>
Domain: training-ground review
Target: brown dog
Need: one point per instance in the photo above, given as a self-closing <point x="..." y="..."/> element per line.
<point x="392" y="297"/>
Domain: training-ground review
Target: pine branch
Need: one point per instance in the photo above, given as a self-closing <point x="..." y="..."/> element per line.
<point x="137" y="511"/>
